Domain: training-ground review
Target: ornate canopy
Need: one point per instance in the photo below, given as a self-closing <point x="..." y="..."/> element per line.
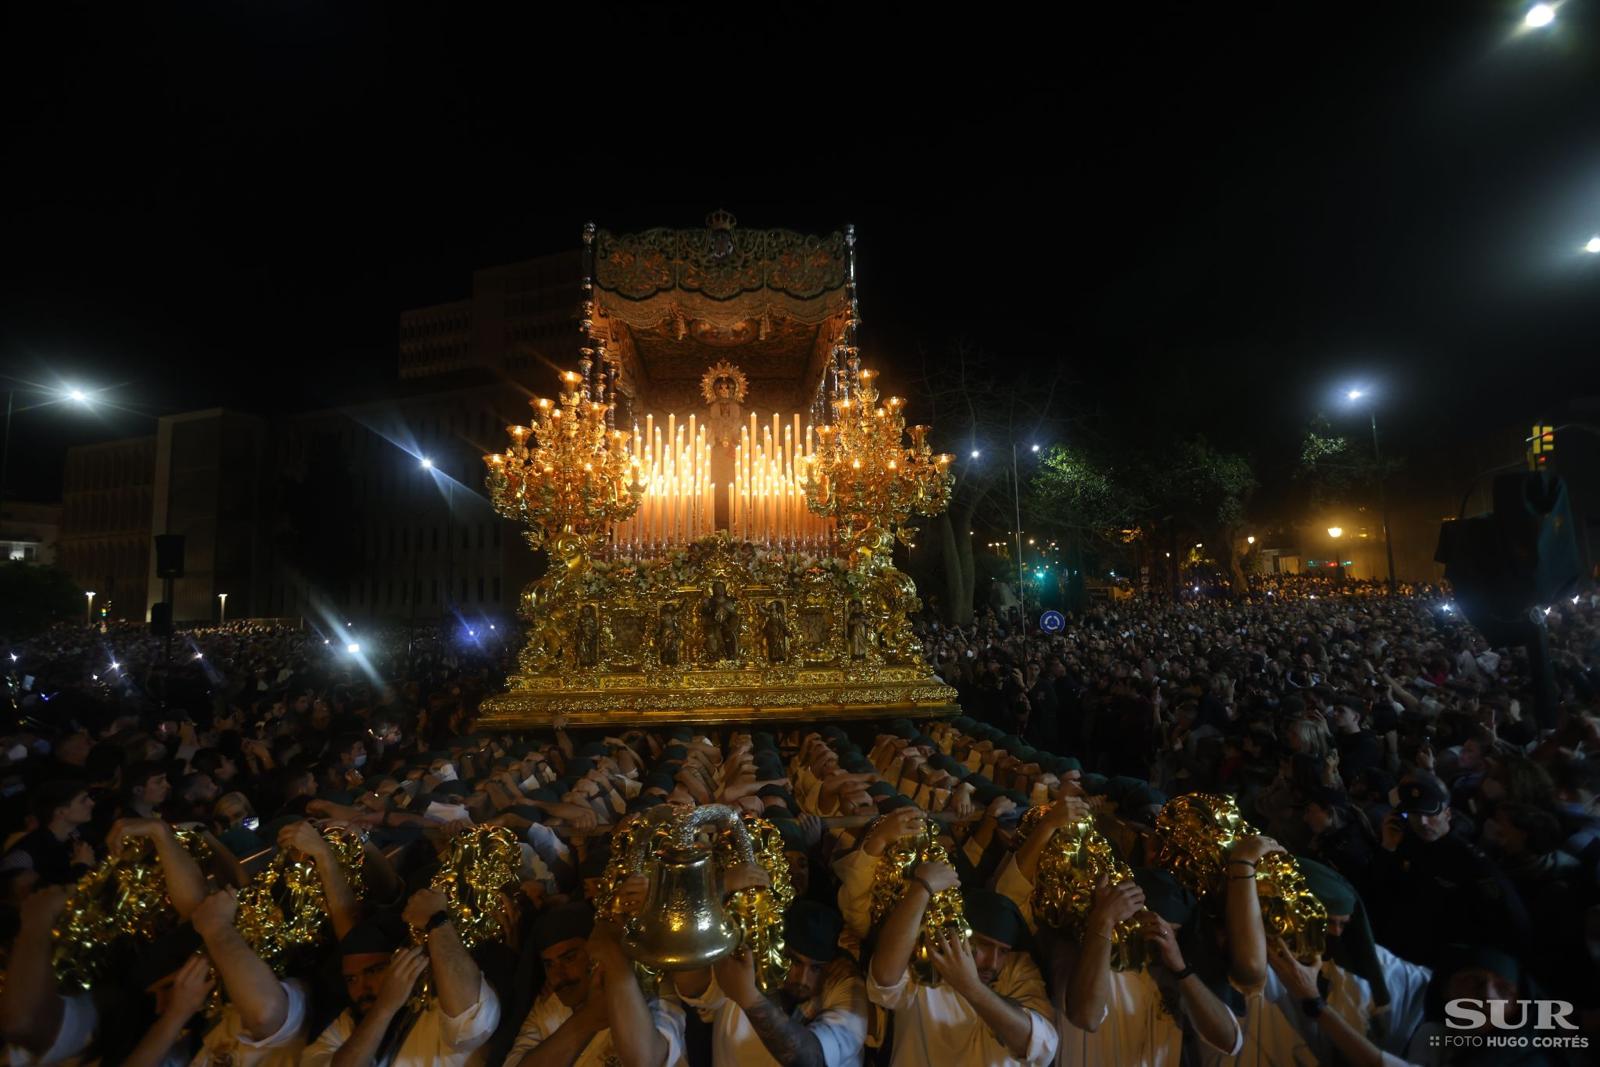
<point x="666" y="304"/>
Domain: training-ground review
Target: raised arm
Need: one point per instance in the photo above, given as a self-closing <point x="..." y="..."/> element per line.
<point x="456" y="978"/>
<point x="186" y="882"/>
<point x="1089" y="990"/>
<point x="1011" y="1023"/>
<point x="1064" y="811"/>
<point x="343" y="908"/>
<point x="901" y="927"/>
<point x="1301" y="981"/>
<point x="393" y="992"/>
<point x="250" y="984"/>
<point x="1247" y="940"/>
<point x="31" y="1007"/>
<point x="633" y="1031"/>
<point x="791" y="1043"/>
<point x="1213" y="1022"/>
<point x="189" y="992"/>
<point x="563" y="1047"/>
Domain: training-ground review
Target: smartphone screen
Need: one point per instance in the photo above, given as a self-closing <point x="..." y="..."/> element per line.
<point x="251" y="822"/>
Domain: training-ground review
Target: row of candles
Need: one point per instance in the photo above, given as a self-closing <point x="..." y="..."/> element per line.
<point x="765" y="501"/>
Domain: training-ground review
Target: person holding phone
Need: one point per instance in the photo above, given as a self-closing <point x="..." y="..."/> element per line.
<point x="236" y="824"/>
<point x="1430" y="883"/>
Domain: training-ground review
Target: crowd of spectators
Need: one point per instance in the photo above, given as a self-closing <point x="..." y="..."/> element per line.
<point x="1452" y="835"/>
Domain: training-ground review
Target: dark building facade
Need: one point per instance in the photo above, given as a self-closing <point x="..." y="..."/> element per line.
<point x="208" y="488"/>
<point x="105" y="522"/>
<point x="365" y="531"/>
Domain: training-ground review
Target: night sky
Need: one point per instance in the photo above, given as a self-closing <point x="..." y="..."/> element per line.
<point x="231" y="203"/>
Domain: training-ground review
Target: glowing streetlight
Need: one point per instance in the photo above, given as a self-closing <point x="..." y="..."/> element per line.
<point x="223" y="598"/>
<point x="88" y="608"/>
<point x="71" y="393"/>
<point x="1250" y="540"/>
<point x="1035" y="448"/>
<point x="1593" y="247"/>
<point x="1336" y="531"/>
<point x="975" y="453"/>
<point x="1539" y="16"/>
<point x="1353" y="396"/>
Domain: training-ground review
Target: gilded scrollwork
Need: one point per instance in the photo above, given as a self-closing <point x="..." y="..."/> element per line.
<point x="719" y="624"/>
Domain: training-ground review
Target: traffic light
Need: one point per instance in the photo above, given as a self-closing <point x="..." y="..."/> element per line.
<point x="1541" y="445"/>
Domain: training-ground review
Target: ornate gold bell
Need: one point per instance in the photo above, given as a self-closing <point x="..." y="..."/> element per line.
<point x="682" y="925"/>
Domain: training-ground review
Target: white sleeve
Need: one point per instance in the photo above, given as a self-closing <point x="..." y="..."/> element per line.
<point x="474" y="1026"/>
<point x="79" y="1021"/>
<point x="545" y="841"/>
<point x="841" y="1026"/>
<point x="901" y="994"/>
<point x="1407" y="983"/>
<point x="531" y="1035"/>
<point x="669" y="1019"/>
<point x="294" y="1020"/>
<point x="708" y="1001"/>
<point x="321" y="1051"/>
<point x="1022" y="984"/>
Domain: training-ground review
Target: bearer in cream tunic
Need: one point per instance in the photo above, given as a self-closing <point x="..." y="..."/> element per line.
<point x="988" y="1008"/>
<point x="823" y="1002"/>
<point x="1108" y="1018"/>
<point x="591" y="1003"/>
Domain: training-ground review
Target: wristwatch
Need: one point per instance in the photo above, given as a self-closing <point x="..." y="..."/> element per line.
<point x="1312" y="1006"/>
<point x="438" y="919"/>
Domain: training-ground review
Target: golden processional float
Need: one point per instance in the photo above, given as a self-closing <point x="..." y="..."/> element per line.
<point x="709" y="562"/>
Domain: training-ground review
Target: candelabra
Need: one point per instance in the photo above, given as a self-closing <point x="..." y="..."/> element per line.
<point x="570" y="473"/>
<point x="864" y="475"/>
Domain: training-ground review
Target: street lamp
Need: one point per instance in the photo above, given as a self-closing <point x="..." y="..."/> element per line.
<point x="88" y="608"/>
<point x="1250" y="540"/>
<point x="1354" y="396"/>
<point x="223" y="597"/>
<point x="1336" y="532"/>
<point x="71" y="393"/>
<point x="1539" y="16"/>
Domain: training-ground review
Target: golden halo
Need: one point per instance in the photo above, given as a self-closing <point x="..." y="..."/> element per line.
<point x="717" y="371"/>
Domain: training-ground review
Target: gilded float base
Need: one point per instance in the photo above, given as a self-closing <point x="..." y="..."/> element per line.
<point x="533" y="703"/>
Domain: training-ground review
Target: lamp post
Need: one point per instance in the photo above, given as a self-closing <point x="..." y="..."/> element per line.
<point x="1383" y="500"/>
<point x="1016" y="507"/>
<point x="426" y="465"/>
<point x="222" y="617"/>
<point x="88" y="608"/>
